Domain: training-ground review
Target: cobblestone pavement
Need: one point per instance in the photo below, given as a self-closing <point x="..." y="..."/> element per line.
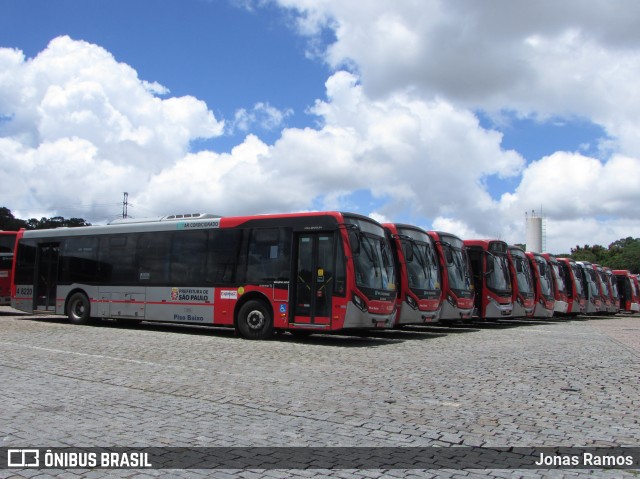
<point x="518" y="383"/>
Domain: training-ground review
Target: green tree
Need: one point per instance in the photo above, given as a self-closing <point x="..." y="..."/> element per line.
<point x="593" y="254"/>
<point x="55" y="222"/>
<point x="625" y="254"/>
<point x="621" y="254"/>
<point x="8" y="222"/>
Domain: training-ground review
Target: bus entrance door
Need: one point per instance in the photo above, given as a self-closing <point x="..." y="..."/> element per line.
<point x="46" y="276"/>
<point x="313" y="280"/>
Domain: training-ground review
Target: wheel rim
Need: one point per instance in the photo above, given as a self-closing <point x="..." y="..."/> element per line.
<point x="256" y="320"/>
<point x="78" y="309"/>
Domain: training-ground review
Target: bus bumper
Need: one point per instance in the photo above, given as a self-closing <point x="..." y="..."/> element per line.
<point x="358" y="319"/>
<point x="561" y="307"/>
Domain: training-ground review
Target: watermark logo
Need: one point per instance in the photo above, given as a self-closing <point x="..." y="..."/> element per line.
<point x="23" y="458"/>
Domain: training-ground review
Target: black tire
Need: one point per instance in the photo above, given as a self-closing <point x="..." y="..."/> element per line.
<point x="79" y="309"/>
<point x="255" y="320"/>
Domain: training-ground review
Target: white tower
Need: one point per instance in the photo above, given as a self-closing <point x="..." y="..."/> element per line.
<point x="534" y="232"/>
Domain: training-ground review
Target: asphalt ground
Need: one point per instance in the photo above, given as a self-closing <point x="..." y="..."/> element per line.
<point x="548" y="383"/>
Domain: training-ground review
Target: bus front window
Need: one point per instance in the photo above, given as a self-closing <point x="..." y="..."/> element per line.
<point x="559" y="278"/>
<point x="499" y="280"/>
<point x="373" y="264"/>
<point x="458" y="269"/>
<point x="525" y="285"/>
<point x="545" y="279"/>
<point x="577" y="282"/>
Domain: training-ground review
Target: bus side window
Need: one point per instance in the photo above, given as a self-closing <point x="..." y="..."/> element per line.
<point x="223" y="256"/>
<point x="269" y="255"/>
<point x="188" y="250"/>
<point x="153" y="257"/>
<point x="79" y="259"/>
<point x="118" y="256"/>
<point x="25" y="262"/>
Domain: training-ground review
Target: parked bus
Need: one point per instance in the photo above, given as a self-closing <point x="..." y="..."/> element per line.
<point x="491" y="278"/>
<point x="7" y="242"/>
<point x="613" y="290"/>
<point x="419" y="281"/>
<point x="594" y="301"/>
<point x="457" y="280"/>
<point x="573" y="283"/>
<point x="308" y="272"/>
<point x="629" y="300"/>
<point x="543" y="281"/>
<point x="522" y="283"/>
<point x="559" y="288"/>
<point x="603" y="289"/>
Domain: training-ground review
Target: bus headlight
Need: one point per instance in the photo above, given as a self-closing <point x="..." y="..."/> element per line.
<point x="412" y="302"/>
<point x="360" y="303"/>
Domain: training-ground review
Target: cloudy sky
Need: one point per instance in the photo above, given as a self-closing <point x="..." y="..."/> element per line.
<point x="459" y="115"/>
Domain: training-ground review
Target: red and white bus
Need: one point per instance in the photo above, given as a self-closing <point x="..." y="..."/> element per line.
<point x="591" y="288"/>
<point x="419" y="280"/>
<point x="613" y="290"/>
<point x="457" y="279"/>
<point x="307" y="272"/>
<point x="572" y="279"/>
<point x="603" y="289"/>
<point x="491" y="277"/>
<point x="629" y="300"/>
<point x="559" y="288"/>
<point x="7" y="243"/>
<point x="522" y="283"/>
<point x="543" y="281"/>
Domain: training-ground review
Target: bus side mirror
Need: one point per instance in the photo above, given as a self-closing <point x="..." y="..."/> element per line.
<point x="490" y="266"/>
<point x="448" y="256"/>
<point x="407" y="249"/>
<point x="354" y="240"/>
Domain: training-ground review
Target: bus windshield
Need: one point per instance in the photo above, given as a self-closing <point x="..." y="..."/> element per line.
<point x="545" y="278"/>
<point x="523" y="273"/>
<point x="558" y="277"/>
<point x="422" y="267"/>
<point x="577" y="282"/>
<point x="604" y="283"/>
<point x="593" y="282"/>
<point x="458" y="269"/>
<point x="373" y="263"/>
<point x="499" y="279"/>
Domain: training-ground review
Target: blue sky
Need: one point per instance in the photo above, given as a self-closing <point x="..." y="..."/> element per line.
<point x="455" y="115"/>
<point x="226" y="55"/>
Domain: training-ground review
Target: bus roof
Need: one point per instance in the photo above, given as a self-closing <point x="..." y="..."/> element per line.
<point x="188" y="223"/>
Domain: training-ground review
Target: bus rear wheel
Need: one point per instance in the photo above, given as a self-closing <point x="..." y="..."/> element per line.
<point x="79" y="309"/>
<point x="255" y="321"/>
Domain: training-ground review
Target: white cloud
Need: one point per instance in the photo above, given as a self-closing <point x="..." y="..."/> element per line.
<point x="81" y="127"/>
<point x="262" y="114"/>
<point x="584" y="200"/>
<point x="539" y="59"/>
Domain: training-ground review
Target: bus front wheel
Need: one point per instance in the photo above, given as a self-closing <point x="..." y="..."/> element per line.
<point x="255" y="321"/>
<point x="79" y="309"/>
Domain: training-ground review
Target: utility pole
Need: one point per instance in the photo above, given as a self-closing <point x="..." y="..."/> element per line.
<point x="125" y="204"/>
